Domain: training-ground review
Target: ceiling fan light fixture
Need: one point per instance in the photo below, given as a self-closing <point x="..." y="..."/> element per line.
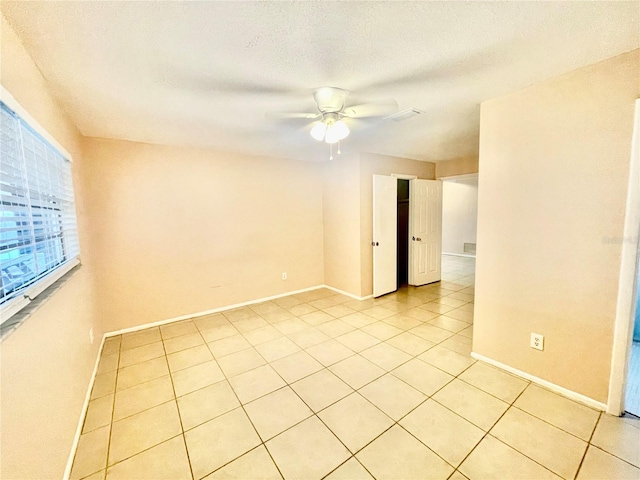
<point x="331" y="109"/>
<point x="342" y="128"/>
<point x="319" y="130"/>
<point x="336" y="132"/>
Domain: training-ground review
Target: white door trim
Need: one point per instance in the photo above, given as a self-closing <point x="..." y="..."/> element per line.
<point x="458" y="177"/>
<point x="627" y="287"/>
<point x="402" y="176"/>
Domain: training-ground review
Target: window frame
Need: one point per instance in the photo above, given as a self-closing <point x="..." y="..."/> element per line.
<point x="29" y="293"/>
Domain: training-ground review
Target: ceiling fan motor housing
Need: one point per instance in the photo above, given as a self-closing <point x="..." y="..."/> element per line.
<point x="330" y="99"/>
<point x="330" y="118"/>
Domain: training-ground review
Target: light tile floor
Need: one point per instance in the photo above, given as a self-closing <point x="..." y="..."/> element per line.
<point x="317" y="385"/>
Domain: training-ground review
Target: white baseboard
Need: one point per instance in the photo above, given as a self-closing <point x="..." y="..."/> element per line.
<point x="342" y="292"/>
<point x="229" y="307"/>
<point x="209" y="312"/>
<point x="85" y="406"/>
<point x="459" y="255"/>
<point x="565" y="392"/>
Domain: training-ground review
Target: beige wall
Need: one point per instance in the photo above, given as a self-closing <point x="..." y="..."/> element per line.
<point x="371" y="164"/>
<point x="554" y="169"/>
<point x="182" y="230"/>
<point x="459" y="166"/>
<point x="341" y="224"/>
<point x="459" y="214"/>
<point x="48" y="361"/>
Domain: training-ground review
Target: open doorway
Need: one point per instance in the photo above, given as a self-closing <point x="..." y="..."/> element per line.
<point x="423" y="240"/>
<point x="459" y="219"/>
<point x="403" y="233"/>
<point x="459" y="230"/>
<point x="460" y="215"/>
<point x="632" y="393"/>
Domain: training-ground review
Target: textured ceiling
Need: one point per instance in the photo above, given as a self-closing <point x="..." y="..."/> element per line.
<point x="207" y="73"/>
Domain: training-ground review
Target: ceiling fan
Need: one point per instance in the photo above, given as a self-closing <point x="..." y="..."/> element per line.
<point x="333" y="116"/>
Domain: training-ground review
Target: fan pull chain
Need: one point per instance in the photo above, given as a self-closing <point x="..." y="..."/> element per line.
<point x="330" y="151"/>
<point x="339" y="152"/>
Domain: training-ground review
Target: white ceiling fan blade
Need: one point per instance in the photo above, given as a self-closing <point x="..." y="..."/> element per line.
<point x="292" y="115"/>
<point x="361" y="126"/>
<point x="298" y="128"/>
<point x="373" y="109"/>
<point x="470" y="63"/>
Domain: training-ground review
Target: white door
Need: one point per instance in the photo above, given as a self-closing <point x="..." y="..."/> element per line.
<point x="425" y="231"/>
<point x="385" y="213"/>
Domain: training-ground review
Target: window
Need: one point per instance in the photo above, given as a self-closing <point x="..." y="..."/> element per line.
<point x="38" y="231"/>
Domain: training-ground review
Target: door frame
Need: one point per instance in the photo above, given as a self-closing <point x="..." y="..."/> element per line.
<point x="397" y="176"/>
<point x="451" y="178"/>
<point x="402" y="176"/>
<point x="628" y="281"/>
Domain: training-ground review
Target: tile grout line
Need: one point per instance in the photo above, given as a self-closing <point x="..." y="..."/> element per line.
<point x="430" y="397"/>
<point x="314" y="414"/>
<point x="147" y="448"/>
<point x="553" y="425"/>
<point x="287" y="385"/>
<point x="512" y="447"/>
<point x="141" y="411"/>
<point x="602" y="414"/>
<point x="195" y="426"/>
<point x="113" y="408"/>
<point x="397" y="422"/>
<point x="353" y="454"/>
<point x="175" y="399"/>
<point x="262" y="442"/>
<point x="487" y="432"/>
<point x="584" y="455"/>
<point x="588" y="442"/>
<point x="614" y="455"/>
<point x="344" y="463"/>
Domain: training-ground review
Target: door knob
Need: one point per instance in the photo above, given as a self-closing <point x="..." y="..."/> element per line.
<point x="419" y="239"/>
<point x="416" y="239"/>
<point x="374" y="244"/>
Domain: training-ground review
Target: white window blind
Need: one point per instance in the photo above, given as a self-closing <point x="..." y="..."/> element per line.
<point x="38" y="230"/>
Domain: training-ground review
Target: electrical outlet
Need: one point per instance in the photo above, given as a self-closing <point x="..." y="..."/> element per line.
<point x="537" y="341"/>
<point x="91" y="335"/>
<point x="284" y="275"/>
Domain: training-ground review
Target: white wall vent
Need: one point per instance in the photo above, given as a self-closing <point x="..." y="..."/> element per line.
<point x="469" y="248"/>
<point x="404" y="114"/>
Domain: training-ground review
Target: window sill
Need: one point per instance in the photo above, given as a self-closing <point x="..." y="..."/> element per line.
<point x="44" y="292"/>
